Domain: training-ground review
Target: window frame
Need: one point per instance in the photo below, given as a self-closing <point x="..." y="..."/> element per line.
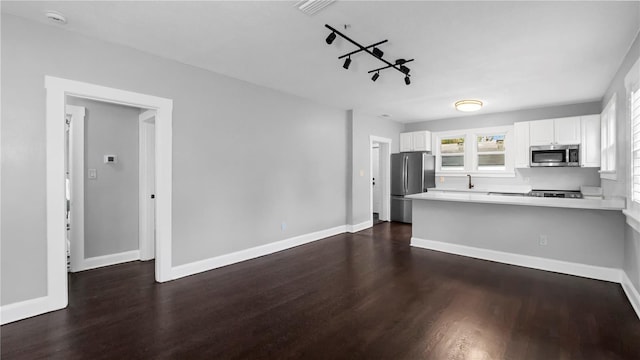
<point x="464" y="153"/>
<point x="608" y="141"/>
<point x="632" y="84"/>
<point x="471" y="151"/>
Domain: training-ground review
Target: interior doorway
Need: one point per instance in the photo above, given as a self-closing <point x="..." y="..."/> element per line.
<point x="111" y="208"/>
<point x="380" y="182"/>
<point x="57" y="90"/>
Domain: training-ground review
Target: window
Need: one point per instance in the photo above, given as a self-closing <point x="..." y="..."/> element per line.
<point x="608" y="140"/>
<point x="491" y="153"/>
<point x="475" y="151"/>
<point x="452" y="152"/>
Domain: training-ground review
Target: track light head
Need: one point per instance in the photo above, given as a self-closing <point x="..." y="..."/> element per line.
<point x="407" y="80"/>
<point x="377" y="52"/>
<point x="405" y="70"/>
<point x="330" y="38"/>
<point x="400" y="61"/>
<point x="375" y="76"/>
<point x="347" y="62"/>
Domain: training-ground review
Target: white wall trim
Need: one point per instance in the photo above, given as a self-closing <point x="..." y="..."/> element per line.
<point x="146" y="239"/>
<point x="106" y="260"/>
<point x="564" y="267"/>
<point x="56" y="91"/>
<point x="385" y="172"/>
<point x="251" y="253"/>
<point x="359" y="227"/>
<point x="631" y="292"/>
<point x="24" y="309"/>
<point x="76" y="179"/>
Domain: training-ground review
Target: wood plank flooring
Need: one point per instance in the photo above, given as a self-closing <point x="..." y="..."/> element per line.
<point x="352" y="296"/>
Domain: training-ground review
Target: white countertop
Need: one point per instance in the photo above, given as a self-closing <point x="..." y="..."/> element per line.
<point x="481" y="196"/>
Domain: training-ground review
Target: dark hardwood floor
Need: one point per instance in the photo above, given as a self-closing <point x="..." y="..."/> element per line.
<point x="352" y="296"/>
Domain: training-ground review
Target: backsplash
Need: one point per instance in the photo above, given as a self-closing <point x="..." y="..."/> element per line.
<point x="559" y="178"/>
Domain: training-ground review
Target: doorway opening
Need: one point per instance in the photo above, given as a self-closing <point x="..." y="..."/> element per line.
<point x="380" y="184"/>
<point x="111" y="209"/>
<point x="57" y="90"/>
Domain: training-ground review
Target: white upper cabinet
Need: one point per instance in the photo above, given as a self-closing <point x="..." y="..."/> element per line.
<point x="567" y="130"/>
<point x="541" y="132"/>
<point x="521" y="137"/>
<point x="590" y="142"/>
<point x="406" y="142"/>
<point x="564" y="131"/>
<point x="415" y="141"/>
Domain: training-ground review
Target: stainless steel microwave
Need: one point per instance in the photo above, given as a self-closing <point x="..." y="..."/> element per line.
<point x="555" y="155"/>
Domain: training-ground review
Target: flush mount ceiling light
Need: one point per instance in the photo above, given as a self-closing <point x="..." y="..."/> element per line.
<point x="56" y="17"/>
<point x="468" y="105"/>
<point x="373" y="51"/>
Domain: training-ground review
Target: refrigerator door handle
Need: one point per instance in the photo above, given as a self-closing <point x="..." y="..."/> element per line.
<point x="405" y="173"/>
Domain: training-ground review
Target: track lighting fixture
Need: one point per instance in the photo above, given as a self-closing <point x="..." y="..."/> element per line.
<point x="347" y="62"/>
<point x="373" y="51"/>
<point x="330" y="38"/>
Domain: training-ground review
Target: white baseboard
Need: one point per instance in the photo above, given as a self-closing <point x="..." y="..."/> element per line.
<point x="359" y="227"/>
<point x="632" y="292"/>
<point x="24" y="309"/>
<point x="564" y="267"/>
<point x="106" y="260"/>
<point x="251" y="253"/>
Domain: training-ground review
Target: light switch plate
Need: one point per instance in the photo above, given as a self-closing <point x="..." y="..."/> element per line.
<point x="93" y="174"/>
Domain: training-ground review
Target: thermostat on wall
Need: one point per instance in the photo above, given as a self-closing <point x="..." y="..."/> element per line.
<point x="110" y="159"/>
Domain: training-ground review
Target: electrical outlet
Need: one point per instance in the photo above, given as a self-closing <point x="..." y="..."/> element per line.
<point x="543" y="241"/>
<point x="441" y="179"/>
<point x="283" y="226"/>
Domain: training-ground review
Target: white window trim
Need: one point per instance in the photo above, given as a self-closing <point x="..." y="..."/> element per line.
<point x="631" y="82"/>
<point x="608" y="144"/>
<point x="471" y="151"/>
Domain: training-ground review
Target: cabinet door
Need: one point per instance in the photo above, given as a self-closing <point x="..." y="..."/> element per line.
<point x="567" y="130"/>
<point x="521" y="137"/>
<point x="421" y="141"/>
<point x="406" y="141"/>
<point x="541" y="132"/>
<point x="590" y="142"/>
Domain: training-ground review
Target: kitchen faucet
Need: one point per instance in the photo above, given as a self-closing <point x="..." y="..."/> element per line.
<point x="470" y="184"/>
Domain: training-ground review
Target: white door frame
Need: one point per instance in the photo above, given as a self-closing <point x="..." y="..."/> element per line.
<point x="385" y="176"/>
<point x="76" y="179"/>
<point x="57" y="89"/>
<point x="146" y="238"/>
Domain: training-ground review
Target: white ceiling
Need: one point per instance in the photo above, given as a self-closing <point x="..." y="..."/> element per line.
<point x="511" y="55"/>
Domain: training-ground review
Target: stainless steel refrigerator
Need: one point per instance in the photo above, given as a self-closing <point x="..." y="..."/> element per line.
<point x="411" y="173"/>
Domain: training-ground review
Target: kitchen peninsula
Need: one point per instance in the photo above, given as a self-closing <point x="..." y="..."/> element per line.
<point x="573" y="236"/>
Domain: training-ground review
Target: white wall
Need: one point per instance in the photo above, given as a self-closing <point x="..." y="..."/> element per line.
<point x="362" y="127"/>
<point x="245" y="158"/>
<point x="111" y="200"/>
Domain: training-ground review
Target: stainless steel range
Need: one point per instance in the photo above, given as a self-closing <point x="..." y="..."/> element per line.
<point x="556" y="194"/>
